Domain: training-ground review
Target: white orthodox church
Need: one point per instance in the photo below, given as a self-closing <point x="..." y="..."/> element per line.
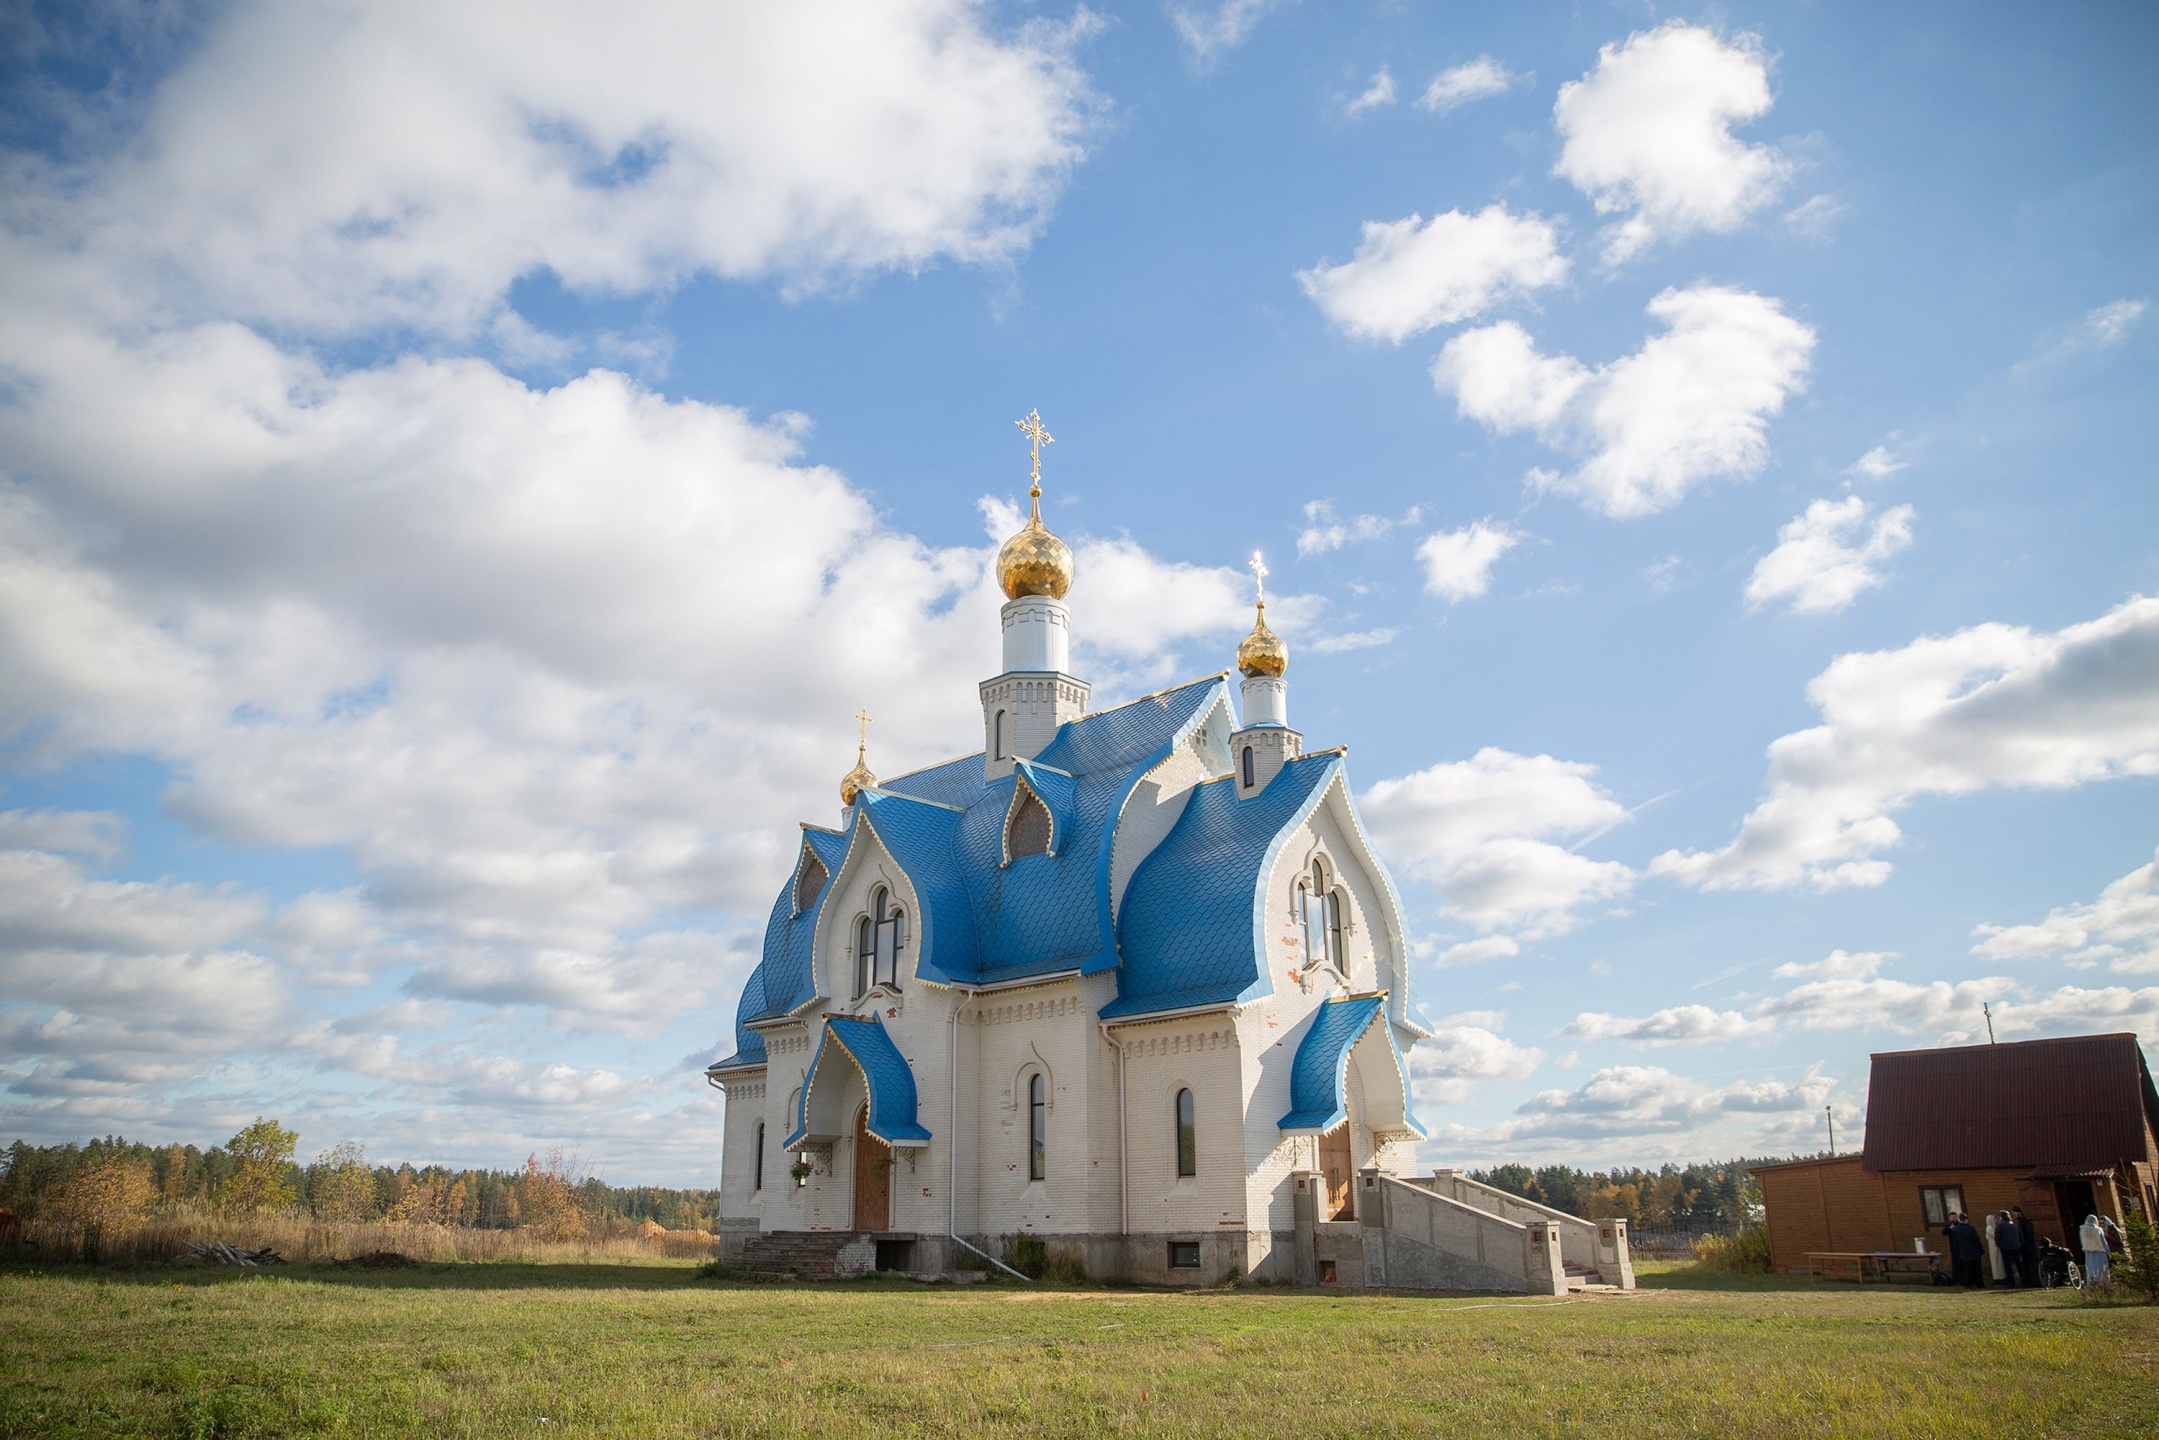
<point x="1131" y="981"/>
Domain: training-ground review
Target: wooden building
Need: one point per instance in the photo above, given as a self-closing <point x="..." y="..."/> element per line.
<point x="2065" y="1128"/>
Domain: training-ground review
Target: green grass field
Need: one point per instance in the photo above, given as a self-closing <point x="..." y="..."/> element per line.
<point x="655" y="1350"/>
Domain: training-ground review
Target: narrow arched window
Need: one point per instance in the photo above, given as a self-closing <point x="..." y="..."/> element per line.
<point x="997" y="737"/>
<point x="1038" y="1127"/>
<point x="888" y="936"/>
<point x="1187" y="1136"/>
<point x="1029" y="830"/>
<point x="1248" y="767"/>
<point x="865" y="947"/>
<point x="1337" y="952"/>
<point x="1304" y="916"/>
<point x="757" y="1167"/>
<point x="810" y="881"/>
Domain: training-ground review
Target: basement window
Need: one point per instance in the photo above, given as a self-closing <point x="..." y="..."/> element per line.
<point x="1184" y="1254"/>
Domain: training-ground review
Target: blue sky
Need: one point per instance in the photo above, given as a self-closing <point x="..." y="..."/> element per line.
<point x="461" y="472"/>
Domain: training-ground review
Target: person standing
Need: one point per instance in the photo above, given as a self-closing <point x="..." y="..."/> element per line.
<point x="2028" y="1254"/>
<point x="1967" y="1252"/>
<point x="2093" y="1237"/>
<point x="2010" y="1244"/>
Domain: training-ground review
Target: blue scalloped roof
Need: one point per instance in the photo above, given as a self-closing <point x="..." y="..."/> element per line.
<point x="1316" y="1076"/>
<point x="920" y="837"/>
<point x="1055" y="790"/>
<point x="955" y="782"/>
<point x="885" y="1073"/>
<point x="1193" y="927"/>
<point x="782" y="979"/>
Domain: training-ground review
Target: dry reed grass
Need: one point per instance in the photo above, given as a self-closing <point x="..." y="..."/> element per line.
<point x="301" y="1238"/>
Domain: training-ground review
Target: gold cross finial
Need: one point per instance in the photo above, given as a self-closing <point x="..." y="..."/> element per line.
<point x="1259" y="576"/>
<point x="862" y="727"/>
<point x="1037" y="437"/>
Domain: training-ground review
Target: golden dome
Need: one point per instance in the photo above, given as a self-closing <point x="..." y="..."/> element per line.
<point x="1035" y="562"/>
<point x="1263" y="652"/>
<point x="856" y="780"/>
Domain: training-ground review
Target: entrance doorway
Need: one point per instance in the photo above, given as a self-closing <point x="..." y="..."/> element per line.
<point x="1335" y="1166"/>
<point x="873" y="1177"/>
<point x="2074" y="1199"/>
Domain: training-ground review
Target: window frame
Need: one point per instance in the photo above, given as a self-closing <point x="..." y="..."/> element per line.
<point x="1038" y="1127"/>
<point x="997" y="736"/>
<point x="757" y="1169"/>
<point x="1180" y="1250"/>
<point x="1025" y="805"/>
<point x="1187" y="1113"/>
<point x="1249" y="769"/>
<point x="1939" y="1196"/>
<point x="805" y="892"/>
<point x="865" y="950"/>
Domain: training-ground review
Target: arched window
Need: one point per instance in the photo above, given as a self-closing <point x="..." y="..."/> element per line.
<point x="1028" y="832"/>
<point x="880" y="936"/>
<point x="1319" y="912"/>
<point x="1038" y="1127"/>
<point x="810" y="881"/>
<point x="997" y="737"/>
<point x="1247" y="767"/>
<point x="1187" y="1136"/>
<point x="757" y="1169"/>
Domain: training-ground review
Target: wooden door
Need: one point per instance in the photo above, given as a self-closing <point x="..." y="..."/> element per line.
<point x="1335" y="1165"/>
<point x="873" y="1177"/>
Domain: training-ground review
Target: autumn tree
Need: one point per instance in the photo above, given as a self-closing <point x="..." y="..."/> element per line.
<point x="261" y="1154"/>
<point x="343" y="1188"/>
<point x="108" y="1193"/>
<point x="546" y="1202"/>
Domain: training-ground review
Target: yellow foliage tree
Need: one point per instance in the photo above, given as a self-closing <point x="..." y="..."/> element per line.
<point x="109" y="1194"/>
<point x="263" y="1151"/>
<point x="344" y="1190"/>
<point x="546" y="1199"/>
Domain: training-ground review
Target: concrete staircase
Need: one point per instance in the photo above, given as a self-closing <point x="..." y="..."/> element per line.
<point x="1580" y="1278"/>
<point x="802" y="1254"/>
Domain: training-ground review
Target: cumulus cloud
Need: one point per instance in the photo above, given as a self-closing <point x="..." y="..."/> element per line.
<point x="1483" y="831"/>
<point x="1466" y="1051"/>
<point x="1877" y="464"/>
<point x="1627" y="1101"/>
<point x="1679" y="1025"/>
<point x="1990" y="706"/>
<point x="1647" y="134"/>
<point x="1458" y="85"/>
<point x="1379" y="92"/>
<point x="1826" y="558"/>
<point x="1847" y="991"/>
<point x="401" y="165"/>
<point x="1412" y="275"/>
<point x="1692" y="405"/>
<point x="1458" y="563"/>
<point x="2120" y="928"/>
<point x="2112" y="321"/>
<point x="1325" y="531"/>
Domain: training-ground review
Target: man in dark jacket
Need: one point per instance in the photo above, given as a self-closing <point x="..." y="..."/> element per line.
<point x="1967" y="1251"/>
<point x="2010" y="1242"/>
<point x="2028" y="1250"/>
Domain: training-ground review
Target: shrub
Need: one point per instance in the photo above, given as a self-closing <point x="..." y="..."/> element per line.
<point x="1746" y="1253"/>
<point x="1027" y="1254"/>
<point x="2139" y="1269"/>
<point x="1065" y="1268"/>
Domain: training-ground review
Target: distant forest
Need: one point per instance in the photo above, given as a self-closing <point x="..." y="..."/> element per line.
<point x="255" y="1170"/>
<point x="1705" y="1198"/>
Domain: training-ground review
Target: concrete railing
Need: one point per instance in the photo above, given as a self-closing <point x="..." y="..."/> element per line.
<point x="1417" y="1238"/>
<point x="1598" y="1245"/>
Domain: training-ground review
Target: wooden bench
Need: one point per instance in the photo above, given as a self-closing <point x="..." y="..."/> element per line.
<point x="1885" y="1267"/>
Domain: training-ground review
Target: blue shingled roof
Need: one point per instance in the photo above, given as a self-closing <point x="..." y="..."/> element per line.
<point x="919" y="834"/>
<point x="782" y="978"/>
<point x="954" y="782"/>
<point x="885" y="1073"/>
<point x="1055" y="790"/>
<point x="1315" y="1077"/>
<point x="1193" y="927"/>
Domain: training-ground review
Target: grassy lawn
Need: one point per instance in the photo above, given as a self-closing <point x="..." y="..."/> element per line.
<point x="653" y="1350"/>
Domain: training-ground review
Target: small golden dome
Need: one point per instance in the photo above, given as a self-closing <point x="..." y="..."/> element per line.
<point x="1035" y="562"/>
<point x="856" y="780"/>
<point x="1263" y="652"/>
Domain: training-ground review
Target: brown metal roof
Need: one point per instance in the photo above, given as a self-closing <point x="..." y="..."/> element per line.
<point x="2082" y="1102"/>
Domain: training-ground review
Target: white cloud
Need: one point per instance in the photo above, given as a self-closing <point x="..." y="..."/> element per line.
<point x="1325" y="531"/>
<point x="1693" y="404"/>
<point x="1816" y="218"/>
<point x="1826" y="558"/>
<point x="1352" y="640"/>
<point x="1379" y="92"/>
<point x="1458" y="85"/>
<point x="98" y="834"/>
<point x="1211" y="30"/>
<point x="1848" y="992"/>
<point x="317" y="166"/>
<point x="1482" y="829"/>
<point x="2112" y="321"/>
<point x="2121" y="928"/>
<point x="1409" y="276"/>
<point x="1648" y="134"/>
<point x="1458" y="563"/>
<point x="1466" y="1050"/>
<point x="1877" y="464"/>
<point x="1994" y="705"/>
<point x="1679" y="1025"/>
<point x="1626" y="1101"/>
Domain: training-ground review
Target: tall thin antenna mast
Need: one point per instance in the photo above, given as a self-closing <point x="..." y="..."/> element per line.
<point x="1988" y="1011"/>
<point x="1830" y="1114"/>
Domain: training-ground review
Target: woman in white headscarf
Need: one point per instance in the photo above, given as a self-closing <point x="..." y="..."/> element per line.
<point x="2093" y="1237"/>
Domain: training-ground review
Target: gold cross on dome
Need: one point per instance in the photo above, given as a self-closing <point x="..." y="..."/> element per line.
<point x="1259" y="576"/>
<point x="1037" y="437"/>
<point x="862" y="727"/>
